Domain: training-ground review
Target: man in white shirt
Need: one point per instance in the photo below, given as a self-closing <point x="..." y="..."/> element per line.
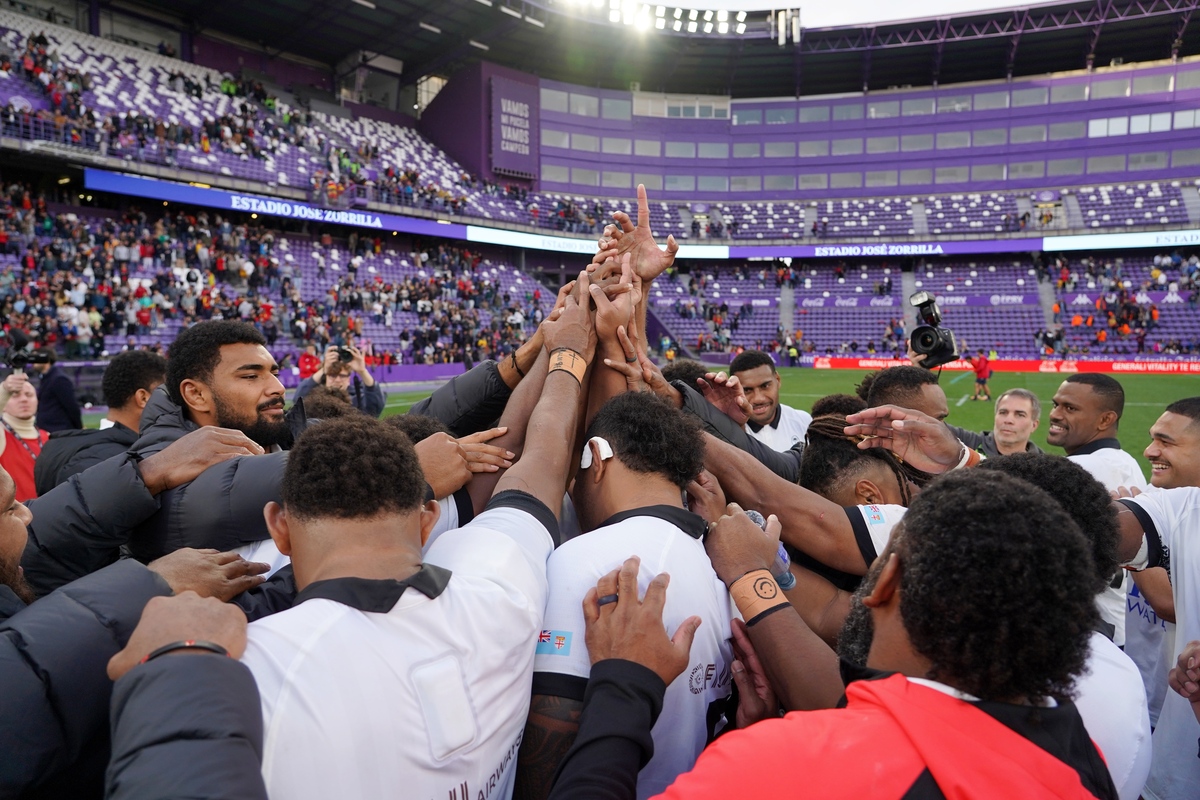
<point x="1087" y="411"/>
<point x="639" y="456"/>
<point x="1163" y="522"/>
<point x="771" y="422"/>
<point x="369" y="690"/>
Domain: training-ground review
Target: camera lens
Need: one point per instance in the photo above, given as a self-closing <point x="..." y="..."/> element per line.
<point x="924" y="340"/>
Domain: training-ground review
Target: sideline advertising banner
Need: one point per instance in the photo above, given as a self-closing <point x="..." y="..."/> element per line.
<point x="515" y="114"/>
<point x="1066" y="366"/>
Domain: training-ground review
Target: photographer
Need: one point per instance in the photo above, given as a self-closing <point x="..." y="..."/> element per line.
<point x="337" y="373"/>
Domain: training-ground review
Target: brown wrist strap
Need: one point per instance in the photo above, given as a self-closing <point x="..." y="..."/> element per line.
<point x="567" y="360"/>
<point x="757" y="595"/>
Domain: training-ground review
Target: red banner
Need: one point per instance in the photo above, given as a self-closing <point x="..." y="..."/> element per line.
<point x="1030" y="365"/>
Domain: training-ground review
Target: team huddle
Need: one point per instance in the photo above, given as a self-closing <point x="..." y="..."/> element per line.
<point x="573" y="574"/>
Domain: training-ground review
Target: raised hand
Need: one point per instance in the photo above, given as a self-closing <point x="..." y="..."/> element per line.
<point x="184" y="459"/>
<point x="706" y="497"/>
<point x="736" y="545"/>
<point x="917" y="439"/>
<point x="444" y="463"/>
<point x="616" y="309"/>
<point x="633" y="630"/>
<point x="725" y="392"/>
<point x="482" y="457"/>
<point x="184" y="617"/>
<point x="208" y="573"/>
<point x="630" y="367"/>
<point x="574" y="328"/>
<point x="648" y="260"/>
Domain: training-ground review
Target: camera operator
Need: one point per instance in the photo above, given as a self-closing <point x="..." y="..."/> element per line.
<point x="338" y="373"/>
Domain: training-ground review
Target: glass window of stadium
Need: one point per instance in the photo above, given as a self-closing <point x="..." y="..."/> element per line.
<point x="747" y="116"/>
<point x="817" y="149"/>
<point x="653" y="183"/>
<point x="779" y="149"/>
<point x="1110" y="89"/>
<point x="847" y="113"/>
<point x="821" y="181"/>
<point x="1033" y="96"/>
<point x="746" y="149"/>
<point x="781" y="116"/>
<point x="616" y="180"/>
<point x="585" y="105"/>
<point x="616" y="146"/>
<point x="552" y="138"/>
<point x="1068" y="92"/>
<point x="847" y="147"/>
<point x="714" y="183"/>
<point x="951" y="104"/>
<point x="554" y="100"/>
<point x="953" y="140"/>
<point x="779" y="183"/>
<point x="614" y="108"/>
<point x="681" y="183"/>
<point x="714" y="150"/>
<point x="1187" y="79"/>
<point x="991" y="101"/>
<point x="814" y="114"/>
<point x="553" y="173"/>
<point x="650" y="148"/>
<point x="1060" y="131"/>
<point x="746" y="183"/>
<point x="883" y="109"/>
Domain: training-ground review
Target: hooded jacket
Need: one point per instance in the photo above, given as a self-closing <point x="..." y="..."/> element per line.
<point x="895" y="738"/>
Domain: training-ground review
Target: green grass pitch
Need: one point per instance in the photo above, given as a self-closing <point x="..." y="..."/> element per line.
<point x="1145" y="398"/>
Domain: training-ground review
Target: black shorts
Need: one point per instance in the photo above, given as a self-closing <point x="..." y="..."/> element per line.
<point x="980" y="380"/>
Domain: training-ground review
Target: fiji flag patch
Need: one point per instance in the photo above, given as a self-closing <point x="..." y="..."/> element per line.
<point x="554" y="643"/>
<point x="875" y="515"/>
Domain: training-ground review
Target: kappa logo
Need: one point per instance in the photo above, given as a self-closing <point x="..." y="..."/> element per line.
<point x="1081" y="300"/>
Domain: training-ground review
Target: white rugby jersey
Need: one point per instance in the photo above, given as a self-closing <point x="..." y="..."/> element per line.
<point x="454" y="512"/>
<point x="667" y="539"/>
<point x="789" y="426"/>
<point x="369" y="690"/>
<point x="873" y="526"/>
<point x="1171" y="521"/>
<point x="1114" y="468"/>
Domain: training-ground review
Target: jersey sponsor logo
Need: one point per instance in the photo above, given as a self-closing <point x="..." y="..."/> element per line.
<point x="554" y="643"/>
<point x="874" y="515"/>
<point x="706" y="676"/>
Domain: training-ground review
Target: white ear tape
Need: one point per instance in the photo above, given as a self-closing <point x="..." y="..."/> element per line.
<point x="606" y="451"/>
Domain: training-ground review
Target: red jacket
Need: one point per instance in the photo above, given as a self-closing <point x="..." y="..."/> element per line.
<point x="889" y="734"/>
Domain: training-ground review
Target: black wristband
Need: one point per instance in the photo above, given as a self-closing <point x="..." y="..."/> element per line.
<point x="514" y="363"/>
<point x="185" y="644"/>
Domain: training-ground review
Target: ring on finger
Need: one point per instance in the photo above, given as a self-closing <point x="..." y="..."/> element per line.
<point x="608" y="598"/>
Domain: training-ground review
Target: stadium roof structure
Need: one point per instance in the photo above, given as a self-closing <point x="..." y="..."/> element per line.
<point x="551" y="39"/>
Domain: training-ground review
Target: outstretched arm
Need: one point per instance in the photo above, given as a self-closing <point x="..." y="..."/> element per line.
<point x="811" y="523"/>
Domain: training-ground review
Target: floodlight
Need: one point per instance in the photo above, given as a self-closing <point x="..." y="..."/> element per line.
<point x="691" y="27"/>
<point x="661" y="11"/>
<point x="708" y="16"/>
<point x="660" y="23"/>
<point x="693" y="14"/>
<point x="722" y="16"/>
<point x="741" y="17"/>
<point x="678" y="25"/>
<point x="678" y="13"/>
<point x="722" y="27"/>
<point x="741" y="28"/>
<point x="708" y="27"/>
<point x="614" y="16"/>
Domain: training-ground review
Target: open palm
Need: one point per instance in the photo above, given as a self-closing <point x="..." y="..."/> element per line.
<point x="648" y="260"/>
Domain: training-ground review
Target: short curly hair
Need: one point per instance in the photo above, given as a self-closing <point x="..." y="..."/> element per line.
<point x="898" y="386"/>
<point x="650" y="436"/>
<point x="351" y="468"/>
<point x="1080" y="495"/>
<point x="130" y="371"/>
<point x="196" y="352"/>
<point x="997" y="587"/>
<point x="324" y="403"/>
<point x="686" y="370"/>
<point x="417" y="427"/>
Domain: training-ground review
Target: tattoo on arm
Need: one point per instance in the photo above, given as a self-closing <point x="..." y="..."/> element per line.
<point x="550" y="731"/>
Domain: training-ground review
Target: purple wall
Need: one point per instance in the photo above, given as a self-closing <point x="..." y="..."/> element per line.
<point x="227" y="57"/>
<point x="458" y="119"/>
<point x="1141" y="97"/>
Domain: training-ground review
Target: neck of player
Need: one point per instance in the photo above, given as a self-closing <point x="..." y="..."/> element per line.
<point x="386" y="547"/>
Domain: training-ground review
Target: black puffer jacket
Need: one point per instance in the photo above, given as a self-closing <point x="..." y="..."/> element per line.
<point x="468" y="403"/>
<point x="70" y="452"/>
<point x="53" y="660"/>
<point x="186" y="727"/>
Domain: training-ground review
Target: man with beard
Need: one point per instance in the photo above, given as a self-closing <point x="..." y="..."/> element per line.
<point x="967" y="683"/>
<point x="219" y="374"/>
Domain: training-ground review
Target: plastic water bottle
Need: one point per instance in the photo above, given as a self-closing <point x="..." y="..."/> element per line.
<point x="780" y="568"/>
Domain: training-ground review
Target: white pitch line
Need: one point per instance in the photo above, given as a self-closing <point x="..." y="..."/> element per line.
<point x="962" y="400"/>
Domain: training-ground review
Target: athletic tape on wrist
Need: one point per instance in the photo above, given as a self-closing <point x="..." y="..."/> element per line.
<point x="757" y="595"/>
<point x="567" y="360"/>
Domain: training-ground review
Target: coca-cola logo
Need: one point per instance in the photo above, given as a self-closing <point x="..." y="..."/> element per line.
<point x="813" y="302"/>
<point x="846" y="302"/>
<point x="883" y="301"/>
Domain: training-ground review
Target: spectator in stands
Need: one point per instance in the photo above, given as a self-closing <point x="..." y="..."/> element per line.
<point x="310" y="362"/>
<point x="129" y="381"/>
<point x="345" y="370"/>
<point x="57" y="407"/>
<point x="23" y="441"/>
